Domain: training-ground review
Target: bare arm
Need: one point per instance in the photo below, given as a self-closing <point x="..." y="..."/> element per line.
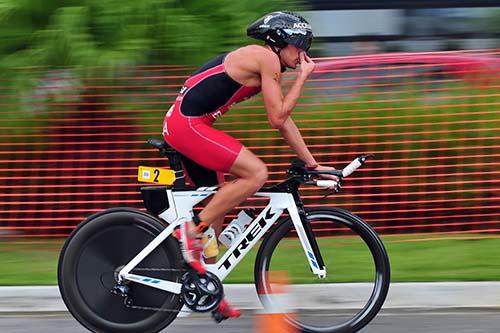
<point x="278" y="107"/>
<point x="292" y="135"/>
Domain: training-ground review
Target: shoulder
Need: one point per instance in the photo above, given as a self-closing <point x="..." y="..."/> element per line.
<point x="260" y="55"/>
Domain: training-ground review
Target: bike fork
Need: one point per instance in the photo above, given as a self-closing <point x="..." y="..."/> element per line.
<point x="308" y="241"/>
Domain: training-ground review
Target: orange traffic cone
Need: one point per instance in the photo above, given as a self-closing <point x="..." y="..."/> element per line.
<point x="273" y="318"/>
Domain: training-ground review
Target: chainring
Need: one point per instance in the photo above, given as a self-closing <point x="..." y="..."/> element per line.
<point x="201" y="292"/>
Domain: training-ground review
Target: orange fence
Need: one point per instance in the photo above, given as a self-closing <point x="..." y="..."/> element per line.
<point x="70" y="146"/>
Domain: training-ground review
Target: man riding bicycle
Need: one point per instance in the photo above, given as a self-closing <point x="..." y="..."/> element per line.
<point x="207" y="94"/>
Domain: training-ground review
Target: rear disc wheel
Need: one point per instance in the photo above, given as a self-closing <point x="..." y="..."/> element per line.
<point x="88" y="266"/>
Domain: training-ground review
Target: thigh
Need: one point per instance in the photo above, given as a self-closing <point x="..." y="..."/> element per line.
<point x="247" y="165"/>
<point x="201" y="143"/>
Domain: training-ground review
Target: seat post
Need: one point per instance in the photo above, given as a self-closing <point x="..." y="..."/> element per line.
<point x="175" y="161"/>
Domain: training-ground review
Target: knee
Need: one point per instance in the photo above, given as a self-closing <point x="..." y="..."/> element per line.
<point x="260" y="176"/>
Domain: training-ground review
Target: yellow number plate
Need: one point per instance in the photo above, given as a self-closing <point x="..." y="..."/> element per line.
<point x="156" y="175"/>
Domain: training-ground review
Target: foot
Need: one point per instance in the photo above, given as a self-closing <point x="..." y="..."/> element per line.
<point x="225" y="311"/>
<point x="191" y="247"/>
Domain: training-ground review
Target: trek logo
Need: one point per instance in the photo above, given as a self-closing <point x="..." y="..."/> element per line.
<point x="302" y="25"/>
<point x="254" y="232"/>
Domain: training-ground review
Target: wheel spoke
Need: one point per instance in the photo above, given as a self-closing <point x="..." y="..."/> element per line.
<point x="355" y="261"/>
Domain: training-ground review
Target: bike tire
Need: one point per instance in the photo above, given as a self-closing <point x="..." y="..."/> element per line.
<point x="92" y="254"/>
<point x="360" y="318"/>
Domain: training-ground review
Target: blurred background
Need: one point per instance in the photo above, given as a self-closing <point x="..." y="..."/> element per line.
<point x="84" y="84"/>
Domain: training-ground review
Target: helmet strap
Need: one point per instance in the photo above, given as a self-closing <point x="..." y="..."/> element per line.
<point x="277" y="50"/>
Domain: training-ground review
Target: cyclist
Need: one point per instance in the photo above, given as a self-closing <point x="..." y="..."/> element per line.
<point x="208" y="93"/>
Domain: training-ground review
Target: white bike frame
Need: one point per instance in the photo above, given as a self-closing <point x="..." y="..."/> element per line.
<point x="180" y="210"/>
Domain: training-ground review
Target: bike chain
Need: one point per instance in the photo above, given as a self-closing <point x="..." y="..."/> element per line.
<point x="150" y="308"/>
<point x="161" y="269"/>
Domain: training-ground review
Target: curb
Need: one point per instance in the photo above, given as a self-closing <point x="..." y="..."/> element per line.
<point x="442" y="295"/>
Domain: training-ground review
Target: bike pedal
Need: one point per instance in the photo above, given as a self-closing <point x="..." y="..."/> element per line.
<point x="218" y="317"/>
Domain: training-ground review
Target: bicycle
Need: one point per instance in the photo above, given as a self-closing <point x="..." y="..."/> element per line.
<point x="121" y="270"/>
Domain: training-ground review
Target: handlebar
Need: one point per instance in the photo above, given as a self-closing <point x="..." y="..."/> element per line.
<point x="299" y="170"/>
<point x="355" y="164"/>
<point x="324" y="183"/>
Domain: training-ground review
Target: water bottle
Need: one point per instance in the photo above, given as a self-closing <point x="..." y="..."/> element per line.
<point x="236" y="227"/>
<point x="209" y="242"/>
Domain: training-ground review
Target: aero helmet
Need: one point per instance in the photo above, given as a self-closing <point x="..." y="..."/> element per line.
<point x="281" y="28"/>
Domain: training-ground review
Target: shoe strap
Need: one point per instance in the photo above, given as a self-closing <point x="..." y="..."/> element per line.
<point x="201" y="226"/>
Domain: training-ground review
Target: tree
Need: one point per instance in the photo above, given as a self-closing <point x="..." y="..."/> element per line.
<point x="113" y="32"/>
<point x="100" y="36"/>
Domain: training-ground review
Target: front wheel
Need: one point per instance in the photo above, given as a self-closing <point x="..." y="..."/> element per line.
<point x="357" y="266"/>
<point x="90" y="260"/>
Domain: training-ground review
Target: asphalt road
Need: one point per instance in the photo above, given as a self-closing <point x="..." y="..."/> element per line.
<point x="410" y="321"/>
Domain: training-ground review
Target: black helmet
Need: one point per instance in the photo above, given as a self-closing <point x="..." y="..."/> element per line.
<point x="282" y="28"/>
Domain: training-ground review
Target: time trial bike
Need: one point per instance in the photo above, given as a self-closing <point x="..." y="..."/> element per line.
<point x="121" y="270"/>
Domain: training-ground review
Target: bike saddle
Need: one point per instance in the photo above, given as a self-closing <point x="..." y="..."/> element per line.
<point x="159" y="144"/>
<point x="163" y="147"/>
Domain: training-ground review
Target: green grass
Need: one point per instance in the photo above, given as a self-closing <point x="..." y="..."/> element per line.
<point x="445" y="260"/>
<point x="412" y="260"/>
<point x="23" y="265"/>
